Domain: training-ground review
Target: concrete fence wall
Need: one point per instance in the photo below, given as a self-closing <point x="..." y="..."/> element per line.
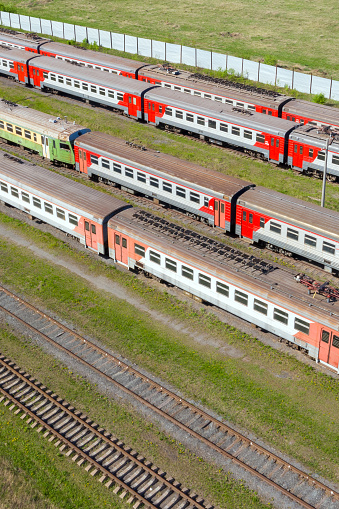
<point x="176" y="54"/>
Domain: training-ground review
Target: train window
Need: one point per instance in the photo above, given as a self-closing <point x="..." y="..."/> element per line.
<point x="325" y="336"/>
<point x="64" y="146"/>
<point x="310" y="241"/>
<point x="272" y="142"/>
<point x="120" y="96"/>
<point x="250" y="107"/>
<point x="300" y="149"/>
<point x="168" y="111"/>
<point x="60" y="214"/>
<point x="247" y="134"/>
<point x="93" y="89"/>
<point x="69" y="82"/>
<point x="2" y="125"/>
<point x="250" y="218"/>
<point x="207" y="96"/>
<point x="34" y="137"/>
<point x="262" y="222"/>
<point x="5" y="63"/>
<point x="244" y="215"/>
<point x="179" y="114"/>
<point x="181" y="192"/>
<point x="194" y="197"/>
<point x="224" y="127"/>
<point x="11" y="65"/>
<point x="197" y="93"/>
<point x="14" y="192"/>
<point x="170" y="265"/>
<point x="292" y="234"/>
<point x="222" y="208"/>
<point x="60" y="79"/>
<point x="102" y="91"/>
<point x="160" y="108"/>
<point x="167" y="187"/>
<point x="293" y="119"/>
<point x="328" y="248"/>
<point x="189" y="117"/>
<point x="288" y="117"/>
<point x="84" y="86"/>
<point x="200" y="120"/>
<point x="321" y="156"/>
<point x="53" y="77"/>
<point x="4" y="187"/>
<point x="28" y="135"/>
<point x="77" y="85"/>
<point x="73" y="220"/>
<point x="212" y="124"/>
<point x="18" y="131"/>
<point x="139" y="250"/>
<point x="260" y="138"/>
<point x="177" y="88"/>
<point x="37" y="203"/>
<point x="90" y="66"/>
<point x="117" y="237"/>
<point x="275" y="227"/>
<point x="152" y="106"/>
<point x="187" y="272"/>
<point x="335" y="159"/>
<point x="141" y="177"/>
<point x="48" y="208"/>
<point x="280" y="316"/>
<point x="130" y="100"/>
<point x="166" y="85"/>
<point x="229" y="101"/>
<point x="25" y="197"/>
<point x="9" y="128"/>
<point x="154" y="257"/>
<point x="129" y="173"/>
<point x="310" y="152"/>
<point x="187" y="91"/>
<point x="117" y="167"/>
<point x="94" y="230"/>
<point x="223" y="289"/>
<point x="96" y="67"/>
<point x="154" y="182"/>
<point x="295" y="149"/>
<point x="302" y="326"/>
<point x="335" y="341"/>
<point x="105" y="163"/>
<point x="111" y="94"/>
<point x="204" y="280"/>
<point x="269" y="112"/>
<point x="218" y="99"/>
<point x="302" y="121"/>
<point x="235" y="130"/>
<point x="240" y="105"/>
<point x="94" y="159"/>
<point x="260" y="307"/>
<point x="241" y="297"/>
<point x="264" y="111"/>
<point x="206" y="201"/>
<point x="277" y="142"/>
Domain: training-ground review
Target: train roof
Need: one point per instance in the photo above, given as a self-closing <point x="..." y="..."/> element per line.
<point x="187" y="79"/>
<point x="14" y="54"/>
<point x="316" y="136"/>
<point x="318" y="112"/>
<point x="39" y="122"/>
<point x="245" y="271"/>
<point x="104" y="79"/>
<point x="293" y="211"/>
<point x="150" y="160"/>
<point x="93" y="57"/>
<point x="21" y="39"/>
<point x="57" y="188"/>
<point x="228" y="113"/>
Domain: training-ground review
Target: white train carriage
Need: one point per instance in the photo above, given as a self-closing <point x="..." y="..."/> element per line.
<point x="69" y="206"/>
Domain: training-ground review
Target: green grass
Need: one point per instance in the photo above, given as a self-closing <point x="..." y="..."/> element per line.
<point x="264" y="174"/>
<point x="275" y="32"/>
<point x="274" y="395"/>
<point x="35" y="475"/>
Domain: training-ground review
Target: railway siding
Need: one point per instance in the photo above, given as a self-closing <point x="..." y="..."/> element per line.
<point x="294" y="483"/>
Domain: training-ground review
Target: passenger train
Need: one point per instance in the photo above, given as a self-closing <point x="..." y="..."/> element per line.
<point x="267" y="296"/>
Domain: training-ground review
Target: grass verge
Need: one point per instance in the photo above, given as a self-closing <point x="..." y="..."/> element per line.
<point x="270" y="393"/>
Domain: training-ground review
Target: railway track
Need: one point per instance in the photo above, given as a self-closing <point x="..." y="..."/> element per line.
<point x="297" y="485"/>
<point x="130" y="475"/>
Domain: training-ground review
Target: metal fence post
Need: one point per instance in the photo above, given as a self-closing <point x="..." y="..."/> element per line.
<point x="258" y="72"/>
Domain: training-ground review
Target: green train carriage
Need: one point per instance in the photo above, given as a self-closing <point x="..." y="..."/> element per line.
<point x="50" y="137"/>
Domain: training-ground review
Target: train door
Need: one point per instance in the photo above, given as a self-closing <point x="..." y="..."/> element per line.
<point x="45" y="147"/>
<point x="247" y="224"/>
<point x="82" y="161"/>
<point x="274" y="148"/>
<point x="298" y="151"/>
<point x="21" y="73"/>
<point x="132" y="106"/>
<point x="329" y="348"/>
<point x="91" y="235"/>
<point x="120" y="245"/>
<point x="219" y="213"/>
<point x="151" y="112"/>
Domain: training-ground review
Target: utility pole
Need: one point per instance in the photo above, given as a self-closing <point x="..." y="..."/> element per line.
<point x="328" y="142"/>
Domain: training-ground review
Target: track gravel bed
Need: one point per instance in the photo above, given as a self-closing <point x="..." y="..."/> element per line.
<point x="279" y="474"/>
